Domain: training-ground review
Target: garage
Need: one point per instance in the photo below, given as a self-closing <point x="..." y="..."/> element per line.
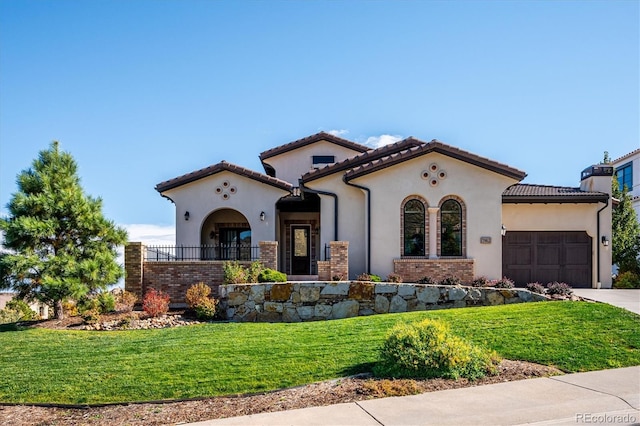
<point x="547" y="256"/>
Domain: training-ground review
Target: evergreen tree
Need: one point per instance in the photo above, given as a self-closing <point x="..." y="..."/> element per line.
<point x="625" y="231"/>
<point x="59" y="244"/>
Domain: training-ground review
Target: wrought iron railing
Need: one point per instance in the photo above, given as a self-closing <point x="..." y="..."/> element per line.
<point x="206" y="252"/>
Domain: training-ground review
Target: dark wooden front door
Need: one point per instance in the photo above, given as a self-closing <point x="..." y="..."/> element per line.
<point x="300" y="250"/>
<point x="544" y="257"/>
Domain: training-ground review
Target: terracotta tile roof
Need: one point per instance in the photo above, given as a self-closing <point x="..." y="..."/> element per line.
<point x="321" y="136"/>
<point x="220" y="167"/>
<point x="635" y="151"/>
<point x="528" y="193"/>
<point x="369" y="156"/>
<point x="439" y="147"/>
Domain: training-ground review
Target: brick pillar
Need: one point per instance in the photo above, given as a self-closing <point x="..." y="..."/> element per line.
<point x="269" y="254"/>
<point x="339" y="259"/>
<point x="133" y="264"/>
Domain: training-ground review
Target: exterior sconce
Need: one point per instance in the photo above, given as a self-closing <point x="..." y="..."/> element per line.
<point x="186" y="215"/>
<point x="605" y="240"/>
<point x="262" y="216"/>
<point x="212" y="235"/>
<point x="503" y="230"/>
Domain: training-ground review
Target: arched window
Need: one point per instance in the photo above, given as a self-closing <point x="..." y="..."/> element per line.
<point x="451" y="228"/>
<point x="414" y="225"/>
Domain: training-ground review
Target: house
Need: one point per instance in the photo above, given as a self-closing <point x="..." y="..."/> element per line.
<point x="411" y="208"/>
<point x="627" y="170"/>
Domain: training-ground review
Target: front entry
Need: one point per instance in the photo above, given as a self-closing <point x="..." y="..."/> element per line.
<point x="300" y="250"/>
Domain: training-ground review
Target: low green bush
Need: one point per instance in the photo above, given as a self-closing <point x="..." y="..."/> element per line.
<point x="426" y="280"/>
<point x="369" y="277"/>
<point x="536" y="288"/>
<point x="272" y="276"/>
<point x="206" y="309"/>
<point x="427" y="349"/>
<point x="628" y="279"/>
<point x="479" y="282"/>
<point x="560" y="289"/>
<point x="23" y="308"/>
<point x="198" y="299"/>
<point x="233" y="273"/>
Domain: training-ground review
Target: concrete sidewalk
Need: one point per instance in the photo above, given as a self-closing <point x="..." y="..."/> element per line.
<point x="597" y="397"/>
<point x="623" y="298"/>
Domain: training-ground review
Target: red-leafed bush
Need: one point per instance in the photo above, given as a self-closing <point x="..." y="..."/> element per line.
<point x="155" y="303"/>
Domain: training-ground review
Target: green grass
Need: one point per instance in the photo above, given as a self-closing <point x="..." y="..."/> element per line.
<point x="82" y="367"/>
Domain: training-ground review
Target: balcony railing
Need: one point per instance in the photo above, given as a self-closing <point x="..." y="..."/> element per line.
<point x="206" y="252"/>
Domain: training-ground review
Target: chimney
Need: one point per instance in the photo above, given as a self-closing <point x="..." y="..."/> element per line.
<point x="597" y="178"/>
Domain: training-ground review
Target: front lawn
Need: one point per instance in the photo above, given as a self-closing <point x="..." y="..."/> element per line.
<point x="82" y="367"/>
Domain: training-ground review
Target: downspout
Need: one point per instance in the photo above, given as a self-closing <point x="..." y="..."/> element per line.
<point x="368" y="191"/>
<point x="606" y="204"/>
<point x="335" y="206"/>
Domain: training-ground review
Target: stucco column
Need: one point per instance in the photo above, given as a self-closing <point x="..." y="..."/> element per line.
<point x="433" y="232"/>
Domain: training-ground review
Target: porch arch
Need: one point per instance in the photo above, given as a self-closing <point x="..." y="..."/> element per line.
<point x="226" y="235"/>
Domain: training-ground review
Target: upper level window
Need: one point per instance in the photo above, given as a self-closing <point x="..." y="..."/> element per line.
<point x="451" y="228"/>
<point x="625" y="177"/>
<point x="323" y="160"/>
<point x="414" y="228"/>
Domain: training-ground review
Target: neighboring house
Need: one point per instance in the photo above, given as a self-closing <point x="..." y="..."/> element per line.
<point x="627" y="170"/>
<point x="412" y="208"/>
<point x="37" y="307"/>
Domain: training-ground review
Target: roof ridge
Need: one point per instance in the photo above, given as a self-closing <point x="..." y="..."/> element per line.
<point x="322" y="135"/>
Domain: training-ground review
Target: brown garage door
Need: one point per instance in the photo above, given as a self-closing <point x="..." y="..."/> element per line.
<point x="545" y="257"/>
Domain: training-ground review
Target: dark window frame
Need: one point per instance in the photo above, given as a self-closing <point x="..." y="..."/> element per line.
<point x="451" y="240"/>
<point x="624" y="174"/>
<point x="414" y="244"/>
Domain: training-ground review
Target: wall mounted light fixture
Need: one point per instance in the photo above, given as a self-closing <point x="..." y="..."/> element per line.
<point x="186" y="215"/>
<point x="212" y="235"/>
<point x="262" y="216"/>
<point x="503" y="230"/>
<point x="605" y="240"/>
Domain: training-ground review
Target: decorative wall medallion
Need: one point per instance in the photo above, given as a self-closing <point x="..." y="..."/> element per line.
<point x="226" y="190"/>
<point x="434" y="174"/>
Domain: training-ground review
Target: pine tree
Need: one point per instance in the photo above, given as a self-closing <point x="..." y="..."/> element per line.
<point x="625" y="231"/>
<point x="59" y="245"/>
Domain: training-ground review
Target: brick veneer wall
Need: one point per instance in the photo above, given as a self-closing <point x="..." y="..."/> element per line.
<point x="339" y="259"/>
<point x="412" y="270"/>
<point x="175" y="277"/>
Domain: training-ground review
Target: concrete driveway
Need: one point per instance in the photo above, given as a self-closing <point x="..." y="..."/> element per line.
<point x="623" y="298"/>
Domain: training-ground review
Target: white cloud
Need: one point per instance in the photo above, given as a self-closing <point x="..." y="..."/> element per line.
<point x="338" y="133"/>
<point x="151" y="234"/>
<point x="382" y="140"/>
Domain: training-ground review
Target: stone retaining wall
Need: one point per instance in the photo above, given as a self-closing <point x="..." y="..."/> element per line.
<point x="315" y="301"/>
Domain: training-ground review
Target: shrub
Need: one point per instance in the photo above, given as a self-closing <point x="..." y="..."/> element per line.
<point x="70" y="308"/>
<point x="450" y="281"/>
<point x="394" y="278"/>
<point x="206" y="309"/>
<point x="628" y="279"/>
<point x="369" y="277"/>
<point x="106" y="302"/>
<point x="234" y="273"/>
<point x="125" y="301"/>
<point x="427" y="349"/>
<point x="479" y="282"/>
<point x="254" y="271"/>
<point x="504" y="282"/>
<point x="155" y="303"/>
<point x="337" y="277"/>
<point x="426" y="280"/>
<point x="196" y="293"/>
<point x="272" y="276"/>
<point x="8" y="316"/>
<point x="198" y="299"/>
<point x="535" y="288"/>
<point x="23" y="308"/>
<point x="560" y="289"/>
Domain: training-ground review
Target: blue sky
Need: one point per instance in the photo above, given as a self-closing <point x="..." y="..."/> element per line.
<point x="143" y="91"/>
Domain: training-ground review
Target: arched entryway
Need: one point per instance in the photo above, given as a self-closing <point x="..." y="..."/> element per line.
<point x="226" y="235"/>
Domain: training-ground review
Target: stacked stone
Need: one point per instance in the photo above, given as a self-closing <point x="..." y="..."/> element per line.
<point x="315" y="301"/>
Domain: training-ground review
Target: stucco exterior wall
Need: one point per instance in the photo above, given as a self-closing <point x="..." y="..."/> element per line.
<point x="479" y="189"/>
<point x="566" y="217"/>
<point x="291" y="165"/>
<point x="245" y="195"/>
